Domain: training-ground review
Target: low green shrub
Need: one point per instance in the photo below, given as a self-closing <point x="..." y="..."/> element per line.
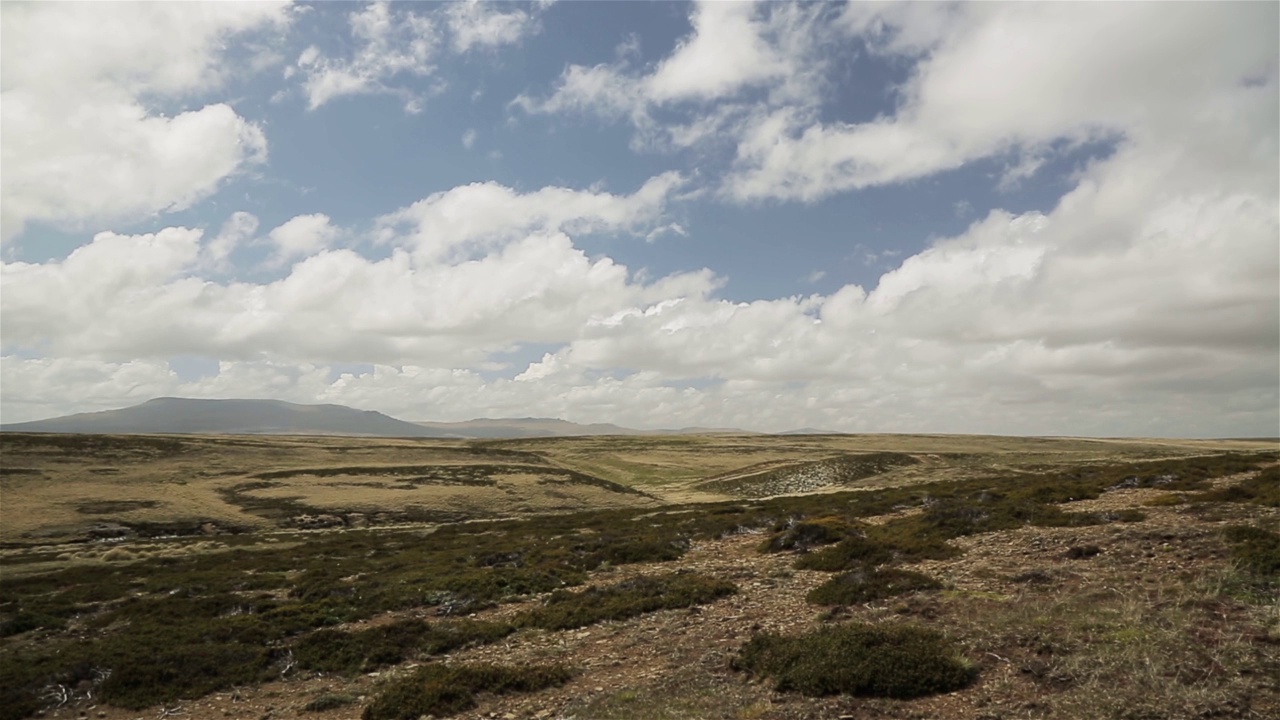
<point x="566" y="609"/>
<point x="805" y="534"/>
<point x="898" y="661"/>
<point x="1261" y="489"/>
<point x="443" y="690"/>
<point x="893" y="542"/>
<point x="1255" y="551"/>
<point x="364" y="650"/>
<point x="27" y="621"/>
<point x="862" y="585"/>
<point x="329" y="701"/>
<point x="143" y="674"/>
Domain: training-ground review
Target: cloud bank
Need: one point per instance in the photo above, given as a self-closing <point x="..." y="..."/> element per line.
<point x="1146" y="301"/>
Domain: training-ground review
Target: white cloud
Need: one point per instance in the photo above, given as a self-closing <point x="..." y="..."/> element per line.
<point x="236" y="231"/>
<point x="80" y="144"/>
<point x="995" y="78"/>
<point x="387" y="45"/>
<point x="475" y="24"/>
<point x="516" y="278"/>
<point x="476" y="216"/>
<point x="726" y="52"/>
<point x="1146" y="301"/>
<point x="734" y="47"/>
<point x="469" y="138"/>
<point x="302" y="236"/>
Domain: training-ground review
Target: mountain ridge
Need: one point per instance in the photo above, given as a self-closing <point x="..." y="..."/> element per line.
<point x="239" y="416"/>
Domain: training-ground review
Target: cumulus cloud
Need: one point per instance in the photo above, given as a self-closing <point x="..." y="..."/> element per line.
<point x="996" y="78"/>
<point x="387" y="44"/>
<point x="302" y="236"/>
<point x="1145" y="301"/>
<point x="236" y="231"/>
<point x="515" y="277"/>
<point x="80" y="145"/>
<point x="732" y="48"/>
<point x="476" y="216"/>
<point x="476" y="24"/>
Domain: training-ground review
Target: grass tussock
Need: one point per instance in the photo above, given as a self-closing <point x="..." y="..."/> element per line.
<point x="861" y="586"/>
<point x="444" y="690"/>
<point x="899" y="661"/>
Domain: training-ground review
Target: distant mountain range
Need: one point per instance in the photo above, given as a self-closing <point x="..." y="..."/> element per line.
<point x="274" y="417"/>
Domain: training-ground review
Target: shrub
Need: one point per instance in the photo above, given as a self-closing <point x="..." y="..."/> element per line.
<point x="1256" y="551"/>
<point x="1261" y="489"/>
<point x="565" y="609"/>
<point x="905" y="540"/>
<point x="443" y="690"/>
<point x="25" y="621"/>
<point x="364" y="650"/>
<point x="805" y="534"/>
<point x="859" y="586"/>
<point x="1080" y="552"/>
<point x="329" y="701"/>
<point x="901" y="661"/>
<point x="143" y="674"/>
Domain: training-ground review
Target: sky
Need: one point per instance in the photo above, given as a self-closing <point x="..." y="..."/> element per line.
<point x="1004" y="218"/>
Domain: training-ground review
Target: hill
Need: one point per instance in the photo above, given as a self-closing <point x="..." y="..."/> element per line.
<point x="189" y="416"/>
<point x="240" y="417"/>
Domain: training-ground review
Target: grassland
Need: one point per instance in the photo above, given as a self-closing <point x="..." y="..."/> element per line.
<point x="712" y="576"/>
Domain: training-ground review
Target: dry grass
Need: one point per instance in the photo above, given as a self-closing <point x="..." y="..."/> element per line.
<point x="57" y="487"/>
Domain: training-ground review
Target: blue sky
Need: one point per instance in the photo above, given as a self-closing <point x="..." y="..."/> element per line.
<point x="1008" y="218"/>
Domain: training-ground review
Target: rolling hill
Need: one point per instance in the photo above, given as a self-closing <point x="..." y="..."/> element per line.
<point x="249" y="417"/>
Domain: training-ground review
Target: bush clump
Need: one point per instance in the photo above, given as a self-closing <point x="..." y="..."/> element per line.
<point x="565" y="609"/>
<point x="893" y="542"/>
<point x="1261" y="489"/>
<point x="805" y="534"/>
<point x="899" y="661"/>
<point x="443" y="690"/>
<point x="146" y="674"/>
<point x="364" y="650"/>
<point x="859" y="586"/>
<point x="1256" y="551"/>
<point x="329" y="701"/>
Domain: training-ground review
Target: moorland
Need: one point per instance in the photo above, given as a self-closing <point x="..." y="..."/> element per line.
<point x="692" y="576"/>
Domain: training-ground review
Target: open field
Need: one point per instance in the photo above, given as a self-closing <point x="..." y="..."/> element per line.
<point x="716" y="576"/>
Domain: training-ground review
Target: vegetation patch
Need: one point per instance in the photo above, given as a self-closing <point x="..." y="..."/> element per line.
<point x="329" y="701"/>
<point x="111" y="507"/>
<point x="1260" y="489"/>
<point x="364" y="650"/>
<point x="1257" y="553"/>
<point x="805" y="534"/>
<point x="444" y="690"/>
<point x="860" y="586"/>
<point x="879" y="546"/>
<point x="808" y="476"/>
<point x="897" y="661"/>
<point x="565" y="610"/>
